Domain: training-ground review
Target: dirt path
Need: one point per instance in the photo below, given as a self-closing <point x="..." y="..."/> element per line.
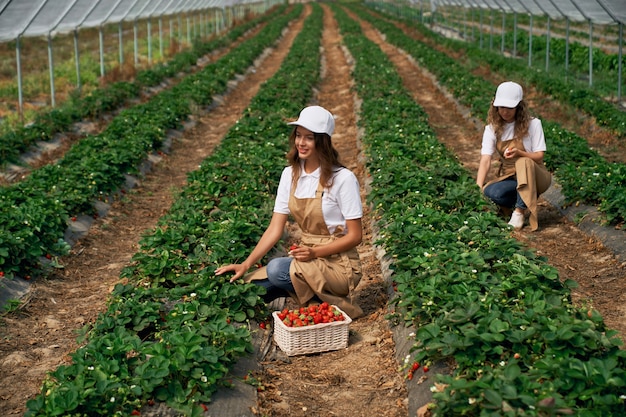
<point x="361" y="380"/>
<point x="39" y="337"/>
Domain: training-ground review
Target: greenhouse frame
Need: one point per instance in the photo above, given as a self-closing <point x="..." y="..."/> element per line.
<point x="50" y="18"/>
<point x="189" y="19"/>
<point x="590" y="12"/>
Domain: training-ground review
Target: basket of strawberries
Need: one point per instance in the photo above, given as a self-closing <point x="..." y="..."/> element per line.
<point x="312" y="329"/>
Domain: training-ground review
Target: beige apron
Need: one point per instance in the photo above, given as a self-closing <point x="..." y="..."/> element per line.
<point x="532" y="178"/>
<point x="333" y="278"/>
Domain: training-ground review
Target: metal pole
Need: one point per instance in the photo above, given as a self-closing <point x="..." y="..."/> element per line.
<point x="619" y="63"/>
<point x="77" y="60"/>
<point x="120" y="31"/>
<point x="503" y="30"/>
<point x="18" y="63"/>
<point x="171" y="31"/>
<point x="161" y="37"/>
<point x="188" y="29"/>
<point x="514" y="34"/>
<point x="590" y="53"/>
<point x="530" y="41"/>
<point x="566" y="45"/>
<point x="135" y="43"/>
<point x="51" y="70"/>
<point x="480" y="28"/>
<point x="101" y="40"/>
<point x="548" y="46"/>
<point x="491" y="29"/>
<point x="149" y="41"/>
<point x="180" y="30"/>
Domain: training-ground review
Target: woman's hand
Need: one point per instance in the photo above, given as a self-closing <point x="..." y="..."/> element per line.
<point x="511" y="153"/>
<point x="238" y="269"/>
<point x="302" y="253"/>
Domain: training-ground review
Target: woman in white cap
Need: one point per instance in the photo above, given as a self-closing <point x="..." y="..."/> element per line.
<point x="324" y="198"/>
<point x="519" y="140"/>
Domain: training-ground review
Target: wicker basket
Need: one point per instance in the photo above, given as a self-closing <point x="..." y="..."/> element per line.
<point x="313" y="338"/>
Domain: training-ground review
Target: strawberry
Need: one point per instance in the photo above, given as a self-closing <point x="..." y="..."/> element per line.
<point x="293" y="247"/>
<point x="415" y="366"/>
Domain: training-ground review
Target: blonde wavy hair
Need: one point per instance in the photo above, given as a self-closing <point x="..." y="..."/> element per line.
<point x="522" y="120"/>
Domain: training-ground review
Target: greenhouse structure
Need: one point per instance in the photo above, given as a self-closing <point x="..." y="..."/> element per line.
<point x="50" y="18"/>
<point x="184" y="20"/>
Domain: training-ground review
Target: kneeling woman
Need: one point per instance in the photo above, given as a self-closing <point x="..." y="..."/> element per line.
<point x="519" y="140"/>
<point x="324" y="198"/>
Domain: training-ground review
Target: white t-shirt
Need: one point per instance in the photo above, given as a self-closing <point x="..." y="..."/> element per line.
<point x="534" y="141"/>
<point x="339" y="203"/>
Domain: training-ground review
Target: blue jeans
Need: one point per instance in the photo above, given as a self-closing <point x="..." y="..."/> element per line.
<point x="504" y="193"/>
<point x="278" y="283"/>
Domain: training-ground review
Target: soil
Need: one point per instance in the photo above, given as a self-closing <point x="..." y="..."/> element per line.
<point x="362" y="380"/>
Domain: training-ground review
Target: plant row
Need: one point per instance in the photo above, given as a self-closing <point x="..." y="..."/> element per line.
<point x="109" y="98"/>
<point x="171" y="333"/>
<point x="35" y="213"/>
<point x="584" y="175"/>
<point x="476" y="297"/>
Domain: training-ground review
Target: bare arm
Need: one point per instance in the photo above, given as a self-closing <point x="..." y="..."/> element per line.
<point x="483" y="170"/>
<point x="352" y="239"/>
<point x="270" y="237"/>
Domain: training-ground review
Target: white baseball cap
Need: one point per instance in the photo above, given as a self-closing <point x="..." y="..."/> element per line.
<point x="316" y="119"/>
<point x="508" y="94"/>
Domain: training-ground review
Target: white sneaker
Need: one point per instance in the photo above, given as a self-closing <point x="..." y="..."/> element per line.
<point x="517" y="220"/>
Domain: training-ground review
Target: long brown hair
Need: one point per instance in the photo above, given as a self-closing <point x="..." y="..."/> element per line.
<point x="522" y="120"/>
<point x="328" y="155"/>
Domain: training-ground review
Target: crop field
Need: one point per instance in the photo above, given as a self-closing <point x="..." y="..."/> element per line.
<point x="118" y="206"/>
